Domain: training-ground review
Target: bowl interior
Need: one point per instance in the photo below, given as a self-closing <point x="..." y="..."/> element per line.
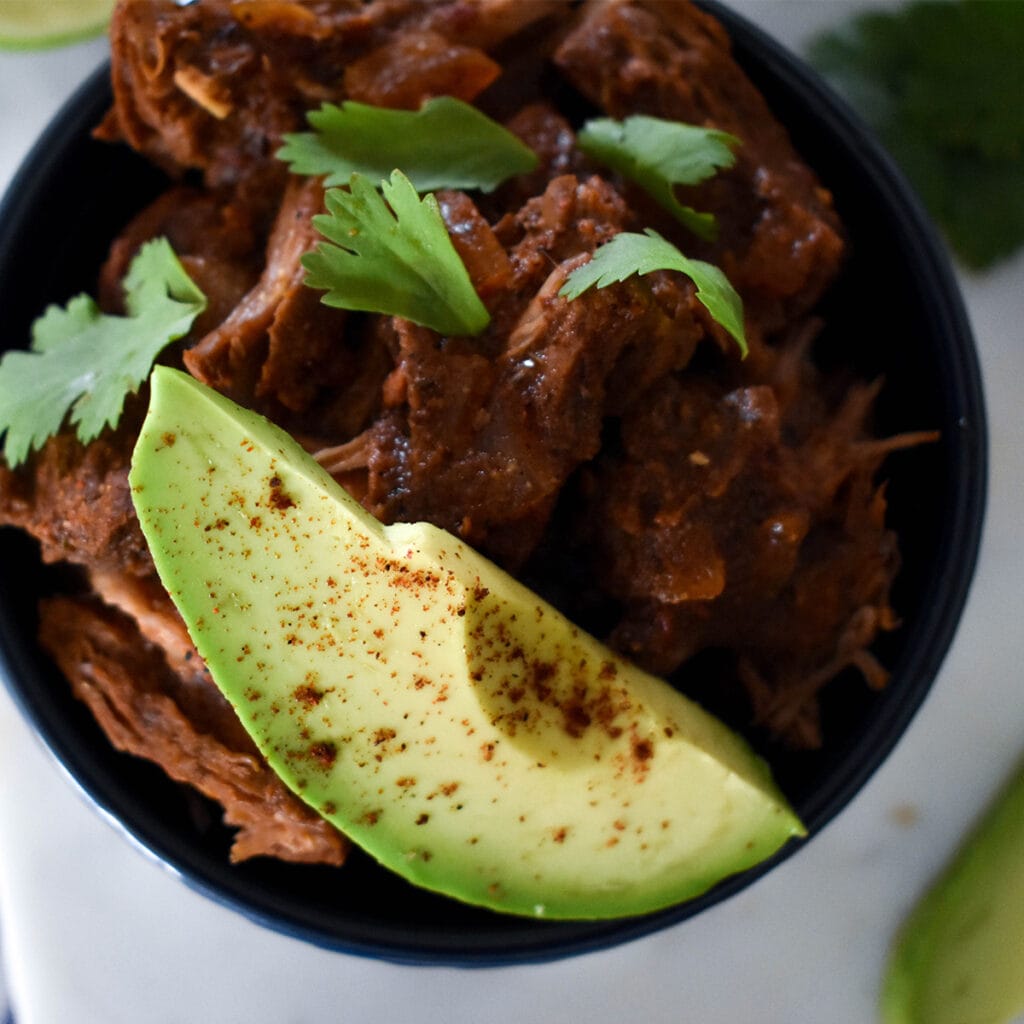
<point x="896" y="312"/>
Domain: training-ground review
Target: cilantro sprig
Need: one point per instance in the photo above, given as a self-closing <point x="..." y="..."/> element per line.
<point x="659" y="155"/>
<point x="629" y="253"/>
<point x="82" y="363"/>
<point x="389" y="252"/>
<point x="444" y="144"/>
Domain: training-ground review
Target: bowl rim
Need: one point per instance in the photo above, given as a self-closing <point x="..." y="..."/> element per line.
<point x="557" y="940"/>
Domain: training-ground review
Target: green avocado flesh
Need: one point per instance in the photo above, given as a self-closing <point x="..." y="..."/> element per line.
<point x="960" y="956"/>
<point x="441" y="715"/>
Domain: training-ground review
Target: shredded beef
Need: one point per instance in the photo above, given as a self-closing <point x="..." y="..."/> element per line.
<point x="145" y="710"/>
<point x="706" y="502"/>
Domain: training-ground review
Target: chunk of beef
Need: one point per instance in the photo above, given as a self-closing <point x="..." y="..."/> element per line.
<point x="75" y="500"/>
<point x="479" y="248"/>
<point x="729" y="520"/>
<point x="231" y="357"/>
<point x="551" y="137"/>
<point x="217" y="237"/>
<point x="572" y="216"/>
<point x="146" y="710"/>
<point x="282" y="351"/>
<point x="215" y="85"/>
<point x="413" y="67"/>
<point x="489" y="24"/>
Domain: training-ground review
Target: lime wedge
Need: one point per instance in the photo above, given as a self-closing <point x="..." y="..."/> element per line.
<point x="38" y="24"/>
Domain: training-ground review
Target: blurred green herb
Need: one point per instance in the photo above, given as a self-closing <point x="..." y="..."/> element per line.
<point x="942" y="83"/>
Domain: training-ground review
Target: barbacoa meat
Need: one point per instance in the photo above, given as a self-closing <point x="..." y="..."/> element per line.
<point x="214" y="85"/>
<point x="614" y="450"/>
<point x="672" y="60"/>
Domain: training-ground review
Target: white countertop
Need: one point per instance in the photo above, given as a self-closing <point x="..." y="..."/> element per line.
<point x="93" y="932"/>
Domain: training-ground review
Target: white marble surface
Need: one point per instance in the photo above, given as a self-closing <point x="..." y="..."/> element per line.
<point x="94" y="933"/>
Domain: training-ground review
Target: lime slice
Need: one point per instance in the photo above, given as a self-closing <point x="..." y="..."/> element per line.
<point x="36" y="24"/>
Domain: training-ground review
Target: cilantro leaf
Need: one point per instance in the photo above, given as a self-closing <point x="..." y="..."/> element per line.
<point x="85" y="362"/>
<point x="399" y="261"/>
<point x="658" y="155"/>
<point x="444" y="144"/>
<point x="940" y="83"/>
<point x="629" y="253"/>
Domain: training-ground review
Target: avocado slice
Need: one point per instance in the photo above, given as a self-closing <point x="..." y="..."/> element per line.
<point x="959" y="959"/>
<point x="451" y="723"/>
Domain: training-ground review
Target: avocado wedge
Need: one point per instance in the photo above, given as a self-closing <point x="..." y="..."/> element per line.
<point x="959" y="958"/>
<point x="451" y="723"/>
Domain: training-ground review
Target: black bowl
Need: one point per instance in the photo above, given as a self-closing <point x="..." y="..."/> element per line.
<point x="896" y="311"/>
